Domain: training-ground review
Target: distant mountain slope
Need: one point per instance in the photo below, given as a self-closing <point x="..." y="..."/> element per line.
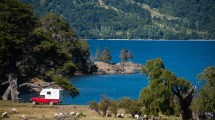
<point x="134" y="19"/>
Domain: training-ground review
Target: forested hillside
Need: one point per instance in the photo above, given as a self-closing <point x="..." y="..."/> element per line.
<point x="134" y="19"/>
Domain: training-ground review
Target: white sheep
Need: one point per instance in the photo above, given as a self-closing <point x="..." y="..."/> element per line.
<point x="77" y="115"/>
<point x="55" y="115"/>
<point x="119" y="116"/>
<point x="72" y="114"/>
<point x="145" y="117"/>
<point x="4" y="115"/>
<point x="14" y="110"/>
<point x="136" y="116"/>
<point x="24" y="117"/>
<point x="60" y="114"/>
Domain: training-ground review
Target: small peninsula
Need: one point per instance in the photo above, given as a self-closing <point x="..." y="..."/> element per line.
<point x="119" y="68"/>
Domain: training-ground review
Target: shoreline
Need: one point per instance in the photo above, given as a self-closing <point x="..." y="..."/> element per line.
<point x="148" y="40"/>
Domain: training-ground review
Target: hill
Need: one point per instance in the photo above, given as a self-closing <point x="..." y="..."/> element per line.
<point x="134" y="19"/>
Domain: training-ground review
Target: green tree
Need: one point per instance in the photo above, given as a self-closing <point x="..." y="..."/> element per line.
<point x="204" y="100"/>
<point x="134" y="107"/>
<point x="94" y="106"/>
<point x="98" y="54"/>
<point x="129" y="55"/>
<point x="106" y="56"/>
<point x="113" y="107"/>
<point x="16" y="24"/>
<point x="58" y="30"/>
<point x="163" y="86"/>
<point x="124" y="55"/>
<point x="54" y="52"/>
<point x="123" y="102"/>
<point x="103" y="105"/>
<point x="46" y="48"/>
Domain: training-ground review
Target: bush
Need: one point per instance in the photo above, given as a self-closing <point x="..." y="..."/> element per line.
<point x="103" y="105"/>
<point x="130" y="106"/>
<point x="94" y="106"/>
<point x="124" y="102"/>
<point x="134" y="107"/>
<point x="113" y="107"/>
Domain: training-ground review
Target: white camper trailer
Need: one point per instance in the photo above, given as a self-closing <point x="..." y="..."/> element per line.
<point x="49" y="95"/>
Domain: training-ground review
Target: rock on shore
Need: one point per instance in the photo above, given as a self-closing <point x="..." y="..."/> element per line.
<point x="37" y="85"/>
<point x="119" y="68"/>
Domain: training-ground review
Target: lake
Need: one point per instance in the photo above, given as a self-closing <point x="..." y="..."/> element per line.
<point x="184" y="58"/>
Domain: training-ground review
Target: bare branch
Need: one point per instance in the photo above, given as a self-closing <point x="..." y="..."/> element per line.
<point x="29" y="85"/>
<point x="6" y="82"/>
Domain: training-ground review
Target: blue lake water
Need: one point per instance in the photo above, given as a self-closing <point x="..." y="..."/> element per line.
<point x="184" y="58"/>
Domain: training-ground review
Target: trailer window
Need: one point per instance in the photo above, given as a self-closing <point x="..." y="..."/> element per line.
<point x="48" y="93"/>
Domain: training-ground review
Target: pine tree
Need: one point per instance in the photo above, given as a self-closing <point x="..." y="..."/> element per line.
<point x="106" y="56"/>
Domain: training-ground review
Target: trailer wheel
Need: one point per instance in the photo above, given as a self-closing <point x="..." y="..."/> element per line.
<point x="34" y="102"/>
<point x="51" y="103"/>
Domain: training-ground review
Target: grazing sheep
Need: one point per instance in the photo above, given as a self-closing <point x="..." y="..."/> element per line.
<point x="72" y="114"/>
<point x="60" y="115"/>
<point x="119" y="116"/>
<point x="136" y="116"/>
<point x="77" y="115"/>
<point x="24" y="117"/>
<point x="108" y="115"/>
<point x="155" y="118"/>
<point x="14" y="110"/>
<point x="145" y="117"/>
<point x="4" y="115"/>
<point x="140" y="118"/>
<point x="55" y="115"/>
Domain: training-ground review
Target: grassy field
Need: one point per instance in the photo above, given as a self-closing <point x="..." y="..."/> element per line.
<point x="35" y="112"/>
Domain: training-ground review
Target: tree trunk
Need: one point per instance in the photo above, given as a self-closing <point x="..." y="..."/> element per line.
<point x="187" y="113"/>
<point x="13" y="85"/>
<point x="185" y="103"/>
<point x="122" y="67"/>
<point x="12" y="89"/>
<point x="7" y="94"/>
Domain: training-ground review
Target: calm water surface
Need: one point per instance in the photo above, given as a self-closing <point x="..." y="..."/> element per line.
<point x="184" y="58"/>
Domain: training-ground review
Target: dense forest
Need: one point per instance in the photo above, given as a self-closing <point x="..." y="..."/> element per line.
<point x="134" y="19"/>
<point x="31" y="47"/>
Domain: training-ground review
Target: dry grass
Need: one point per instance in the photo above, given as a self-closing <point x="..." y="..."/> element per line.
<point x="35" y="112"/>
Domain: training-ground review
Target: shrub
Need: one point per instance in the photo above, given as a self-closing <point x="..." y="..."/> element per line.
<point x="124" y="102"/>
<point x="134" y="107"/>
<point x="103" y="105"/>
<point x="113" y="107"/>
<point x="94" y="106"/>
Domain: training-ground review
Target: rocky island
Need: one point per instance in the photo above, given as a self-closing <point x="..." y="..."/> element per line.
<point x="119" y="68"/>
